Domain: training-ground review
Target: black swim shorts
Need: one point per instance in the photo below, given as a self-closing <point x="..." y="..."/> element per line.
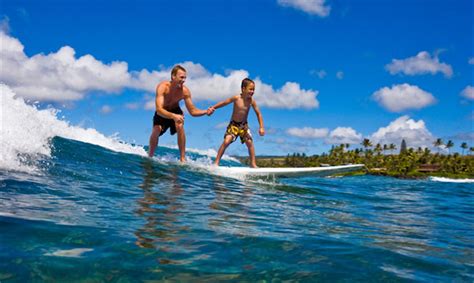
<point x="166" y="123"/>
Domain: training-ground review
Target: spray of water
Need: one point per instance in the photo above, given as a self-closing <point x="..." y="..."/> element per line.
<point x="26" y="133"/>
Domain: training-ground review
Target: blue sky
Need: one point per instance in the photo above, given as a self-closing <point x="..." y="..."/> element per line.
<point x="327" y="72"/>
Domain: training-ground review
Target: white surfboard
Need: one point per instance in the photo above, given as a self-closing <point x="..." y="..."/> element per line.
<point x="448" y="180"/>
<point x="287" y="172"/>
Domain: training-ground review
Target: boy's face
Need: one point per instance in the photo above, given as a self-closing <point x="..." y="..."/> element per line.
<point x="248" y="90"/>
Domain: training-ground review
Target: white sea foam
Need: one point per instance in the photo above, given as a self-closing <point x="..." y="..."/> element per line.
<point x="76" y="253"/>
<point x="206" y="152"/>
<point x="26" y="133"/>
<point x="449" y="180"/>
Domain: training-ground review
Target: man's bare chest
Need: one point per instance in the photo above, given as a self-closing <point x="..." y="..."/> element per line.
<point x="173" y="98"/>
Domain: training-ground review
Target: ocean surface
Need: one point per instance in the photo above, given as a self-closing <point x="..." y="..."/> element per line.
<point x="77" y="206"/>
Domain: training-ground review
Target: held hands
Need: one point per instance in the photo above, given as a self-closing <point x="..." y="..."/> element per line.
<point x="210" y="110"/>
<point x="261" y="131"/>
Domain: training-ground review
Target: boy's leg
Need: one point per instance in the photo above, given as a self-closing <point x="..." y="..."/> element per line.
<point x="155" y="134"/>
<point x="227" y="140"/>
<point x="181" y="141"/>
<point x="249" y="144"/>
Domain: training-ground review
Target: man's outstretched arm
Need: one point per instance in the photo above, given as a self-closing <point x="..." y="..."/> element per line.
<point x="193" y="110"/>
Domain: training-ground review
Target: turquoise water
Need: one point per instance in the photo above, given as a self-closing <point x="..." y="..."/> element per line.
<point x="94" y="215"/>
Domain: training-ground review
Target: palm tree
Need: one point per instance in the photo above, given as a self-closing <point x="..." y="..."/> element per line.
<point x="392" y="147"/>
<point x="471" y="149"/>
<point x="419" y="150"/>
<point x="438" y="143"/>
<point x="464" y="147"/>
<point x="366" y="143"/>
<point x="378" y="148"/>
<point x="449" y="144"/>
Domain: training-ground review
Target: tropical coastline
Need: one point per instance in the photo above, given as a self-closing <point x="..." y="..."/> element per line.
<point x="408" y="163"/>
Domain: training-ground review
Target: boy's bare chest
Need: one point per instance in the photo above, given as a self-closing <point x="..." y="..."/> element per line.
<point x="243" y="105"/>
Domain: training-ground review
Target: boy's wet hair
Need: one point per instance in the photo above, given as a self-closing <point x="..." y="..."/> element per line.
<point x="246" y="82"/>
<point x="176" y="68"/>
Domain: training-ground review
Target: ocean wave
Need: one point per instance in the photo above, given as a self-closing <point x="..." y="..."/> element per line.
<point x="26" y="133"/>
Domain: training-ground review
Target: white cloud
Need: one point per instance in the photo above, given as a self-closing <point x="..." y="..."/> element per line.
<point x="308" y="133"/>
<point x="60" y="76"/>
<point x="414" y="132"/>
<point x="215" y="87"/>
<point x="343" y="135"/>
<point x="289" y="96"/>
<point x="468" y="92"/>
<point x="402" y="97"/>
<point x="465" y="137"/>
<point x="132" y="105"/>
<point x="5" y="25"/>
<point x="340" y="75"/>
<point x="420" y="64"/>
<point x="280" y="141"/>
<point x="320" y="73"/>
<point x="221" y="125"/>
<point x="106" y="109"/>
<point x="57" y="76"/>
<point x="314" y="7"/>
<point x="291" y="146"/>
<point x="150" y="105"/>
<point x="471" y="61"/>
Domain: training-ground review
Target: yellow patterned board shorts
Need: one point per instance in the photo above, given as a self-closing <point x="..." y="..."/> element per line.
<point x="238" y="129"/>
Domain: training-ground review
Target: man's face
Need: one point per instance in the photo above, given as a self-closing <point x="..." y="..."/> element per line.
<point x="179" y="78"/>
<point x="249" y="90"/>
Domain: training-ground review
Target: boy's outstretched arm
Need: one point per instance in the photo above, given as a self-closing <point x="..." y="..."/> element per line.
<point x="261" y="130"/>
<point x="224" y="102"/>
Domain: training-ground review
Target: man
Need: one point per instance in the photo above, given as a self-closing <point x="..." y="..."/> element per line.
<point x="168" y="113"/>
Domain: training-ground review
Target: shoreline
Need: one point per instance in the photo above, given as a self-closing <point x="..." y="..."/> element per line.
<point x="415" y="176"/>
<point x="410" y="165"/>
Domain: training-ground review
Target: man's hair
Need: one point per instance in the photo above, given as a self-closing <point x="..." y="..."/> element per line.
<point x="246" y="82"/>
<point x="175" y="69"/>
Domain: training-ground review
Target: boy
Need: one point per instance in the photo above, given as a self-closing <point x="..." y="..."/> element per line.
<point x="238" y="126"/>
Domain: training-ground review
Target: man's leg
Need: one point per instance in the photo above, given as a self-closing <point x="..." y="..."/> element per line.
<point x="249" y="144"/>
<point x="227" y="140"/>
<point x="181" y="141"/>
<point x="155" y="134"/>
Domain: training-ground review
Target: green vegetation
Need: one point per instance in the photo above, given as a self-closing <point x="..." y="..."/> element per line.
<point x="381" y="160"/>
